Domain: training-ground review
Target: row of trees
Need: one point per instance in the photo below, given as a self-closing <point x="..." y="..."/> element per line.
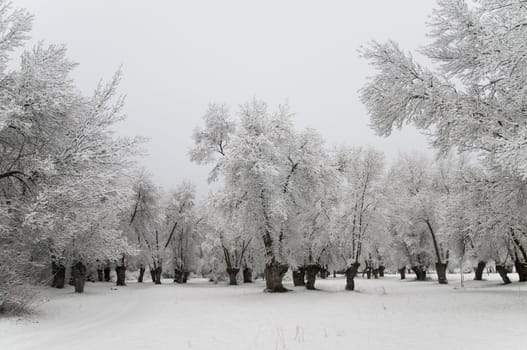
<point x="288" y="202"/>
<point x="471" y="98"/>
<point x="72" y="198"/>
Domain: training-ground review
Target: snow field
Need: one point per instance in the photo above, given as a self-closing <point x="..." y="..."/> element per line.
<point x="382" y="314"/>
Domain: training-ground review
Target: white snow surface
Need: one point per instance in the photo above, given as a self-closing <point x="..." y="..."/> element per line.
<point x="382" y="314"/>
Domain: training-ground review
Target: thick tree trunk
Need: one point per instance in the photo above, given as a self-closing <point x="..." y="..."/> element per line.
<point x="402" y="272"/>
<point x="323" y="273"/>
<point x="311" y="274"/>
<point x="179" y="276"/>
<point x="351" y="272"/>
<point x="368" y="272"/>
<point x="274" y="273"/>
<point x="121" y="275"/>
<point x="247" y="275"/>
<point x="375" y="273"/>
<point x="185" y="276"/>
<point x="59" y="274"/>
<point x="502" y="270"/>
<point x="299" y="277"/>
<point x="107" y="273"/>
<point x="420" y="273"/>
<point x="141" y="274"/>
<point x="157" y="275"/>
<point x="100" y="275"/>
<point x="381" y="271"/>
<point x="521" y="270"/>
<point x="441" y="273"/>
<point x="232" y="276"/>
<point x="78" y="273"/>
<point x="478" y="271"/>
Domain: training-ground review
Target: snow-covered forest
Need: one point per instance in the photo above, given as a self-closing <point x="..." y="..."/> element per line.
<point x="286" y="210"/>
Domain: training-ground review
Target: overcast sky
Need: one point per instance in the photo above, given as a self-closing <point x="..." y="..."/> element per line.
<point x="178" y="56"/>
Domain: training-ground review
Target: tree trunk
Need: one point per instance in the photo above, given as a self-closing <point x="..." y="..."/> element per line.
<point x="121" y="275"/>
<point x="420" y="273"/>
<point x="59" y="274"/>
<point x="141" y="274"/>
<point x="521" y="270"/>
<point x="78" y="273"/>
<point x="381" y="271"/>
<point x="441" y="273"/>
<point x="274" y="273"/>
<point x="311" y="273"/>
<point x="247" y="275"/>
<point x="152" y="275"/>
<point x="478" y="270"/>
<point x="232" y="276"/>
<point x="502" y="270"/>
<point x="351" y="272"/>
<point x="375" y="273"/>
<point x="100" y="275"/>
<point x="299" y="277"/>
<point x="157" y="275"/>
<point x="368" y="272"/>
<point x="402" y="272"/>
<point x="323" y="274"/>
<point x="185" y="276"/>
<point x="178" y="276"/>
<point x="107" y="273"/>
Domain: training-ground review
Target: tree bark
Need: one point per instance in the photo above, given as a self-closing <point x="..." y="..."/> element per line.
<point x="441" y="273"/>
<point x="247" y="275"/>
<point x="521" y="270"/>
<point x="375" y="273"/>
<point x="311" y="273"/>
<point x="100" y="275"/>
<point x="351" y="272"/>
<point x="179" y="276"/>
<point x="233" y="272"/>
<point x="299" y="276"/>
<point x="78" y="273"/>
<point x="420" y="272"/>
<point x="157" y="275"/>
<point x="185" y="276"/>
<point x="402" y="272"/>
<point x="107" y="273"/>
<point x="502" y="270"/>
<point x="274" y="273"/>
<point x="59" y="274"/>
<point x="478" y="271"/>
<point x="141" y="274"/>
<point x="121" y="275"/>
<point x="381" y="270"/>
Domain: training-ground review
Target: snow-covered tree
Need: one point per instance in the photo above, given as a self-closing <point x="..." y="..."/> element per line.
<point x="473" y="95"/>
<point x="227" y="242"/>
<point x="266" y="166"/>
<point x="357" y="215"/>
<point x="180" y="221"/>
<point x="143" y="225"/>
<point x="416" y="203"/>
<point x="62" y="170"/>
<point x="313" y="195"/>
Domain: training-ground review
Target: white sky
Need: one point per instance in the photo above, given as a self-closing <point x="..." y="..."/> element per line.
<point x="178" y="56"/>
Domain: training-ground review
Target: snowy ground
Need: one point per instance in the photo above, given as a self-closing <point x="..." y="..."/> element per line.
<point x="382" y="314"/>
